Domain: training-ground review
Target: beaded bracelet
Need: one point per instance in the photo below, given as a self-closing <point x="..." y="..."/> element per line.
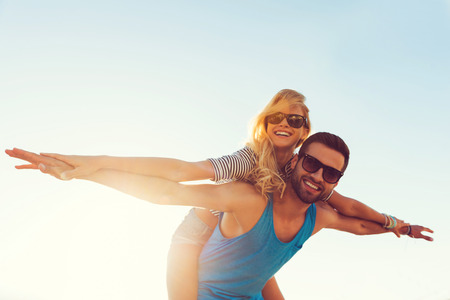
<point x="392" y="221"/>
<point x="385" y="220"/>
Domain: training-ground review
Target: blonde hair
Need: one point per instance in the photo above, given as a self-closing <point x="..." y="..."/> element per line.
<point x="265" y="175"/>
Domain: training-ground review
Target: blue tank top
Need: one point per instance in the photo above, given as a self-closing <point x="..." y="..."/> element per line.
<point x="238" y="268"/>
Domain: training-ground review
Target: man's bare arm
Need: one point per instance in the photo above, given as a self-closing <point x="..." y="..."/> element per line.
<point x="329" y="218"/>
<point x="153" y="189"/>
<point x="226" y="198"/>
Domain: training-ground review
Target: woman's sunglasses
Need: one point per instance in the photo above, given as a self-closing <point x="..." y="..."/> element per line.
<point x="312" y="165"/>
<point x="295" y="121"/>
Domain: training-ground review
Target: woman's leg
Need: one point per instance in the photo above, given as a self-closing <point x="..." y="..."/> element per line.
<point x="182" y="272"/>
<point x="184" y="253"/>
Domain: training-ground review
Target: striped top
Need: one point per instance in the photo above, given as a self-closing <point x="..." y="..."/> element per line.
<point x="238" y="166"/>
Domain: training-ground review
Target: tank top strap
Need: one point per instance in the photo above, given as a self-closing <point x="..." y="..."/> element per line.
<point x="308" y="226"/>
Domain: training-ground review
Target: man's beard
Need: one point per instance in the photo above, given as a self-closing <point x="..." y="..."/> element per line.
<point x="303" y="194"/>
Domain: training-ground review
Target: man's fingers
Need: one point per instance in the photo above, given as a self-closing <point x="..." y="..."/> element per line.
<point x="428" y="238"/>
<point x="425" y="237"/>
<point x="71" y="174"/>
<point x="76" y="173"/>
<point x="50" y="170"/>
<point x="417" y="230"/>
<point x="28" y="167"/>
<point x="428" y="230"/>
<point x="43" y="168"/>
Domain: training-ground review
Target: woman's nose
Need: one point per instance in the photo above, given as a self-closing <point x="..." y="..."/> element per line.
<point x="284" y="122"/>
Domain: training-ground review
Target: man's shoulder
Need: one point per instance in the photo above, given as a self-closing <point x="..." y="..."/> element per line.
<point x="239" y="185"/>
<point x="324" y="209"/>
<point x="241" y="190"/>
<point x="325" y="214"/>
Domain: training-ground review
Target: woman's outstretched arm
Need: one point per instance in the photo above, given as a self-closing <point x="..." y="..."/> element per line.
<point x="167" y="168"/>
<point x="234" y="166"/>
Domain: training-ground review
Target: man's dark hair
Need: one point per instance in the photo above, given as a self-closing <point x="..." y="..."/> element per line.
<point x="331" y="141"/>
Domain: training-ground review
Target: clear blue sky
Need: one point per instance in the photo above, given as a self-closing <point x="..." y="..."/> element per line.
<point x="182" y="79"/>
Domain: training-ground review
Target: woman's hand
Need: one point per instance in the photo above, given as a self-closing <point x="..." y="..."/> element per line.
<point x="35" y="161"/>
<point x="398" y="227"/>
<point x="82" y="165"/>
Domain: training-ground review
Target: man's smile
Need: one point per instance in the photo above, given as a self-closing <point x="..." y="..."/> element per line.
<point x="311" y="186"/>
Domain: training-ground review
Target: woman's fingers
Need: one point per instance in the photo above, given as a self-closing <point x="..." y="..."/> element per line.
<point x="63" y="158"/>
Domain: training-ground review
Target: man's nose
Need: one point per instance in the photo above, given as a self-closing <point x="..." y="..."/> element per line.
<point x="318" y="175"/>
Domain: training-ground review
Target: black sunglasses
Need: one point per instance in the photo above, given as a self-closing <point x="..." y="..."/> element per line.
<point x="295" y="121"/>
<point x="312" y="165"/>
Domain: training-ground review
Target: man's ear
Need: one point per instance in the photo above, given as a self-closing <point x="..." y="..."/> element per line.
<point x="294" y="161"/>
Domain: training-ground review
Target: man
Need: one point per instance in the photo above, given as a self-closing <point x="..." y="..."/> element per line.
<point x="256" y="235"/>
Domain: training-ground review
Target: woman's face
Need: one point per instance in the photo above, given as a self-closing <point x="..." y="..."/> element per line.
<point x="282" y="135"/>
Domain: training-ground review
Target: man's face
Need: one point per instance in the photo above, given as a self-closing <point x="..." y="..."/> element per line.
<point x="311" y="187"/>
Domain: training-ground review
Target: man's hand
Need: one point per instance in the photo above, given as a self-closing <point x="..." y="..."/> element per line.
<point x="416" y="232"/>
<point x="35" y="161"/>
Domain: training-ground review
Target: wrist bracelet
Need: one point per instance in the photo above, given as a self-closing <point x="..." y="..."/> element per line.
<point x="394" y="222"/>
<point x="408" y="232"/>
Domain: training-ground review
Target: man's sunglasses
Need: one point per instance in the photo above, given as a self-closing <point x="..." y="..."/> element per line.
<point x="329" y="174"/>
<point x="295" y="121"/>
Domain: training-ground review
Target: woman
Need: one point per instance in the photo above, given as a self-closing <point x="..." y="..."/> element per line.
<point x="278" y="130"/>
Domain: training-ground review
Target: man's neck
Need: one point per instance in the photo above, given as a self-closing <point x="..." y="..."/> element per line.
<point x="290" y="206"/>
<point x="289" y="214"/>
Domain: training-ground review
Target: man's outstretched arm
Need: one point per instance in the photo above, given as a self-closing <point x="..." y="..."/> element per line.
<point x="165" y="192"/>
<point x="328" y="218"/>
<point x="153" y="189"/>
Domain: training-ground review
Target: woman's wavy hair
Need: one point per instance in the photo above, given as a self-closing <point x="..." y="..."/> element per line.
<point x="265" y="175"/>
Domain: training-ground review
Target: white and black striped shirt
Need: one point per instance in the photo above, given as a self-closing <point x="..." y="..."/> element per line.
<point x="238" y="166"/>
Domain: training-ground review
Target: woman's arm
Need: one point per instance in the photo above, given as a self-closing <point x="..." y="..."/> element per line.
<point x="353" y="208"/>
<point x="234" y="166"/>
<point x="172" y="169"/>
<point x="167" y="168"/>
<point x="75" y="166"/>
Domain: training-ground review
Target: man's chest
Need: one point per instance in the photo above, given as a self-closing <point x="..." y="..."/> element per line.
<point x="287" y="228"/>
